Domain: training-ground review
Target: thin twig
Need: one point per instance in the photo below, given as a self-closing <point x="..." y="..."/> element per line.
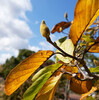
<point x="81" y="71"/>
<point x="65" y="54"/>
<point x="75" y="75"/>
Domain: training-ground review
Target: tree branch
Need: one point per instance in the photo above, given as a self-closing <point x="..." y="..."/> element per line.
<point x="65" y="54"/>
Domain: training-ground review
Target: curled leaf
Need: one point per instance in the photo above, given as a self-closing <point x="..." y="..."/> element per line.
<point x="60" y="27"/>
<point x="24" y="70"/>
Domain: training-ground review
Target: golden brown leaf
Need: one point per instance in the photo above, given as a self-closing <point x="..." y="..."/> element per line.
<point x="48" y="90"/>
<point x="96" y="62"/>
<point x="86" y="12"/>
<point x="23" y="71"/>
<point x="60" y="26"/>
<point x="80" y="87"/>
<point x="86" y="94"/>
<point x="69" y="69"/>
<point x="95" y="48"/>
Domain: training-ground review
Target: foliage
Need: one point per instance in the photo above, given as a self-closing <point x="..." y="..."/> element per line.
<point x="71" y="54"/>
<point x="13" y="61"/>
<point x="23" y="53"/>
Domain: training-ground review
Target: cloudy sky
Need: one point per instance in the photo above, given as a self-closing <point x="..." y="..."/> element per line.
<point x="20" y="24"/>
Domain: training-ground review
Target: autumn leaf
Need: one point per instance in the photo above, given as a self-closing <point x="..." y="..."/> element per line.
<point x="70" y="69"/>
<point x="95" y="48"/>
<point x="80" y="87"/>
<point x="68" y="47"/>
<point x="39" y="80"/>
<point x="96" y="62"/>
<point x="88" y="93"/>
<point x="90" y="98"/>
<point x="60" y="27"/>
<point x="48" y="90"/>
<point x="96" y="69"/>
<point x="86" y="12"/>
<point x="24" y="70"/>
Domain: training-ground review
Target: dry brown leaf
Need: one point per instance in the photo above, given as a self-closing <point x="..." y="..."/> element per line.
<point x="60" y="26"/>
<point x="80" y="87"/>
<point x="86" y="12"/>
<point x="23" y="71"/>
<point x="86" y="94"/>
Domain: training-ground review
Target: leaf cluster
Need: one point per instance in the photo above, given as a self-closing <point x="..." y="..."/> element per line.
<point x="71" y="53"/>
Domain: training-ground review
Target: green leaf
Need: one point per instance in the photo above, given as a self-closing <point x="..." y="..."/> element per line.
<point x="90" y="98"/>
<point x="51" y="68"/>
<point x="60" y="41"/>
<point x="96" y="69"/>
<point x="39" y="80"/>
<point x="68" y="47"/>
<point x="88" y="38"/>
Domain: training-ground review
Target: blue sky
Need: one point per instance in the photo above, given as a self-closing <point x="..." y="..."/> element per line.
<point x="20" y="24"/>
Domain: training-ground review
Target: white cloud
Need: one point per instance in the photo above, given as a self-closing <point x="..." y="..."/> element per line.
<point x="14" y="30"/>
<point x="46" y="46"/>
<point x="3" y="57"/>
<point x="34" y="48"/>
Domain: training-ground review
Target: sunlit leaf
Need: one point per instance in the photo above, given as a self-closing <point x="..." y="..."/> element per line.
<point x="24" y="70"/>
<point x="36" y="86"/>
<point x="90" y="98"/>
<point x="51" y="68"/>
<point x="60" y="41"/>
<point x="63" y="25"/>
<point x="86" y="12"/>
<point x="80" y="87"/>
<point x="95" y="48"/>
<point x="96" y="69"/>
<point x="48" y="90"/>
<point x="88" y="93"/>
<point x="87" y="38"/>
<point x="68" y="47"/>
<point x="39" y="80"/>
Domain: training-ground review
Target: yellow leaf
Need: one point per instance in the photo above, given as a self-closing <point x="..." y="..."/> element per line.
<point x="68" y="47"/>
<point x="23" y="70"/>
<point x="94" y="48"/>
<point x="48" y="90"/>
<point x="86" y="94"/>
<point x="79" y="86"/>
<point x="86" y="12"/>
